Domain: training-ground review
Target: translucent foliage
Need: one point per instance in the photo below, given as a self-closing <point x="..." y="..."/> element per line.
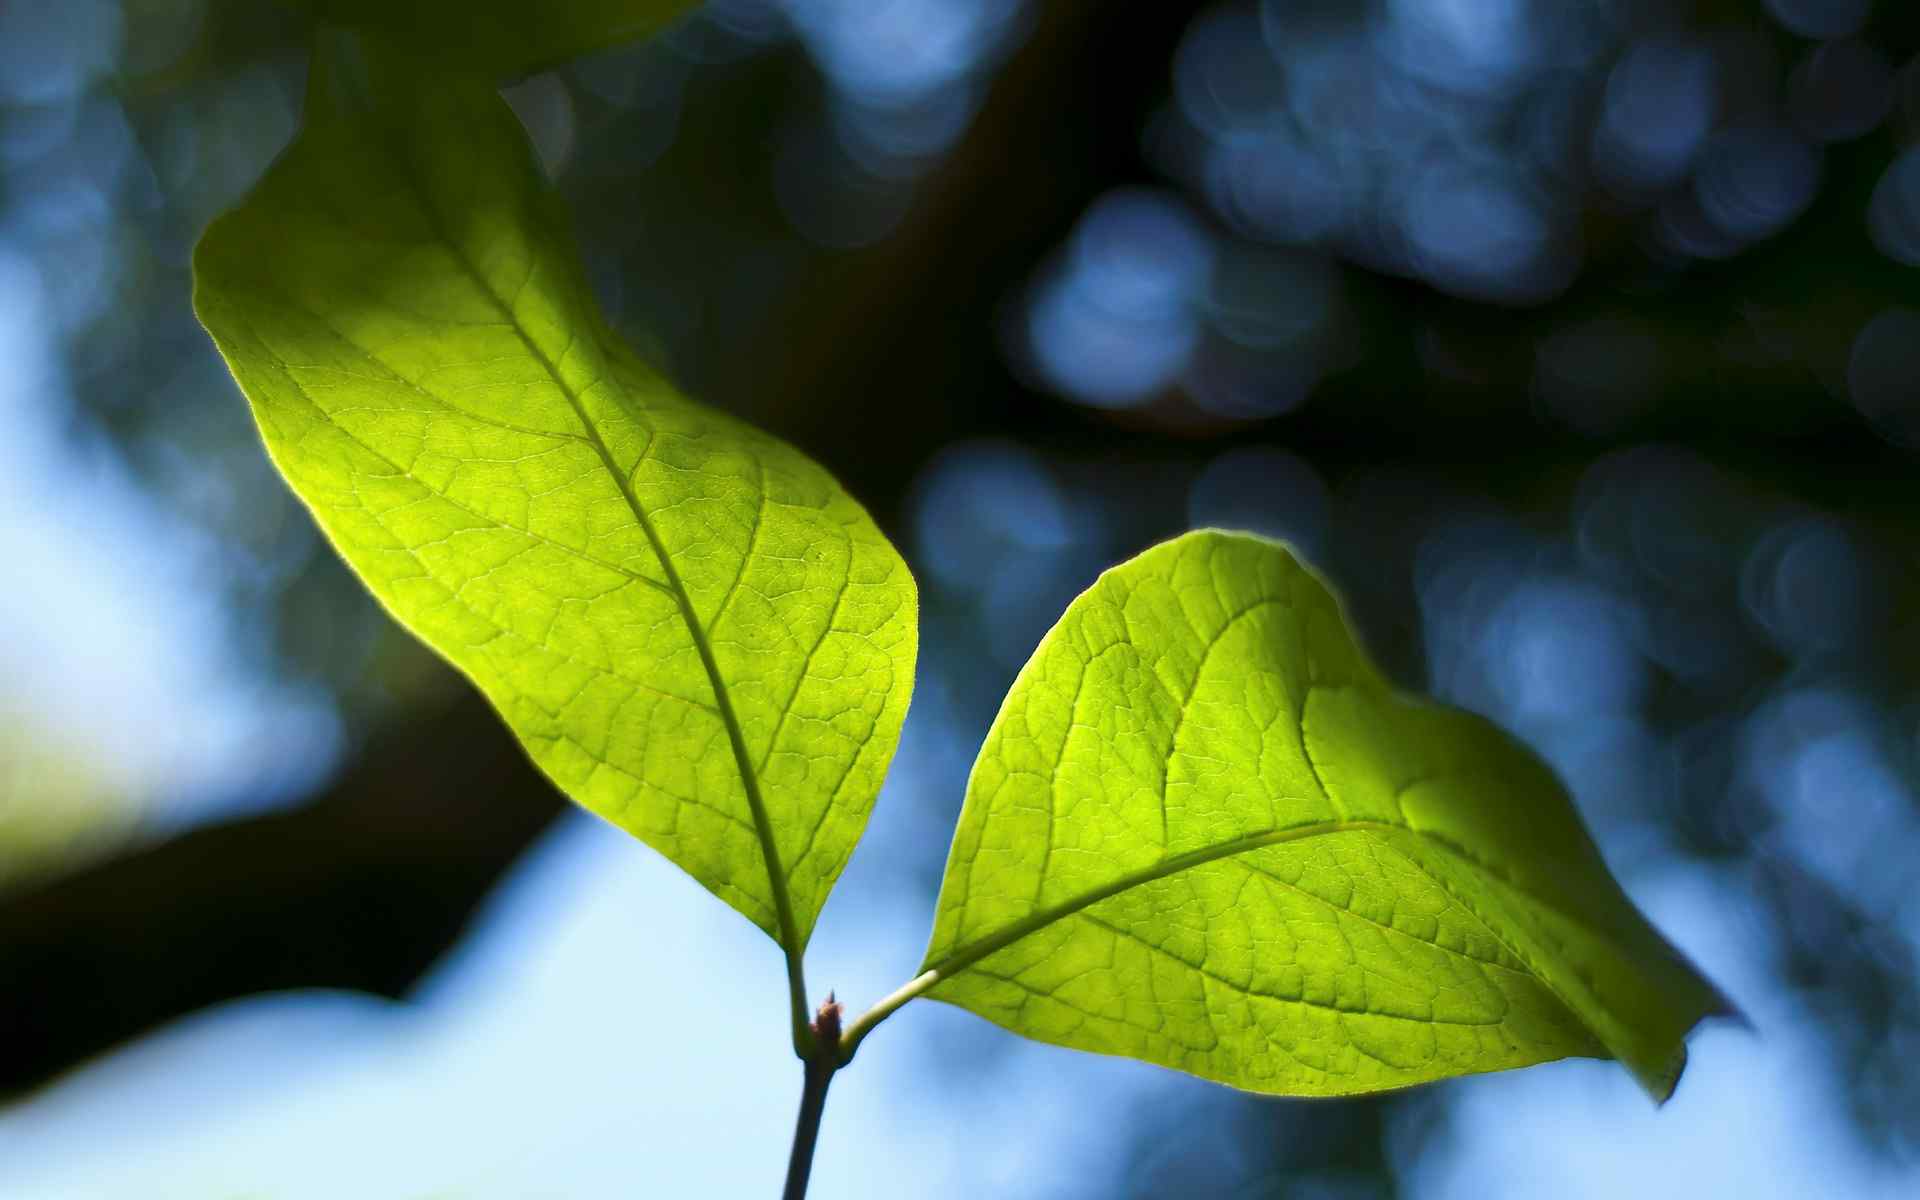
<point x="1204" y="832"/>
<point x="689" y="625"/>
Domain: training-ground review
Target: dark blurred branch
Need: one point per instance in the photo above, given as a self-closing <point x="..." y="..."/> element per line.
<point x="362" y="888"/>
<point x="894" y="346"/>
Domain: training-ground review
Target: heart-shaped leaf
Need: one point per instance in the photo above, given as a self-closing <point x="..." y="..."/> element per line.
<point x="693" y="630"/>
<point x="1206" y="833"/>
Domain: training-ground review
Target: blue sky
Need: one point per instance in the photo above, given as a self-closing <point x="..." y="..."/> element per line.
<point x="609" y="1029"/>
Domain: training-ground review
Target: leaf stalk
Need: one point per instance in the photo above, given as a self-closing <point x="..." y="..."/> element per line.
<point x="850" y="1041"/>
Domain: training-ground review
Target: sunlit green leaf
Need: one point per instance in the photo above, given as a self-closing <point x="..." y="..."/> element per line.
<point x="1204" y="832"/>
<point x="689" y="625"/>
<point x="505" y="39"/>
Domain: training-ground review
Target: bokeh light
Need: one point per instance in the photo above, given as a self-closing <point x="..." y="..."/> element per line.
<point x="1841" y="90"/>
<point x="1263" y="490"/>
<point x="1116" y="320"/>
<point x="1821" y="18"/>
<point x="1576" y="343"/>
<point x="1752" y="182"/>
<point x="1658" y="110"/>
<point x="1893" y="216"/>
<point x="1883" y="374"/>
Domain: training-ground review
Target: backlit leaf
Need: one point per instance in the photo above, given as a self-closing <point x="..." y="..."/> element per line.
<point x="1205" y="832"/>
<point x="693" y="630"/>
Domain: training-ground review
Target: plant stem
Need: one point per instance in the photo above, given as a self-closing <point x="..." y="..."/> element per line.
<point x="813" y="1101"/>
<point x="821" y="1064"/>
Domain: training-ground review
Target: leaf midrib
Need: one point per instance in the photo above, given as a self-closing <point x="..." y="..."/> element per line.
<point x="964" y="957"/>
<point x="723" y="702"/>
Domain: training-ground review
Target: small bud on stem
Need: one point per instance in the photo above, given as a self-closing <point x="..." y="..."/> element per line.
<point x="826" y="1023"/>
<point x="821" y="1063"/>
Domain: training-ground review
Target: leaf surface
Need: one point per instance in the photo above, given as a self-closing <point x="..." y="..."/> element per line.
<point x="689" y="625"/>
<point x="1205" y="832"/>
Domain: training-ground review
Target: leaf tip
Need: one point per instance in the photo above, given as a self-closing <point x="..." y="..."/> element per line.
<point x="1661" y="1086"/>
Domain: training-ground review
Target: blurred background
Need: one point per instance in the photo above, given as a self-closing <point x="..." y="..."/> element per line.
<point x="1578" y="341"/>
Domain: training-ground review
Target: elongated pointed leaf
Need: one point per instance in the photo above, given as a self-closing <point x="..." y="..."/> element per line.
<point x="1204" y="832"/>
<point x="689" y="625"/>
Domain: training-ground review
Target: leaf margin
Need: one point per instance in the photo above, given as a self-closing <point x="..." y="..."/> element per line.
<point x="338" y="91"/>
<point x="943" y="962"/>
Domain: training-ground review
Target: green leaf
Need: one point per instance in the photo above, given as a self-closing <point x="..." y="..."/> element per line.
<point x="504" y="39"/>
<point x="692" y="629"/>
<point x="1204" y="832"/>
